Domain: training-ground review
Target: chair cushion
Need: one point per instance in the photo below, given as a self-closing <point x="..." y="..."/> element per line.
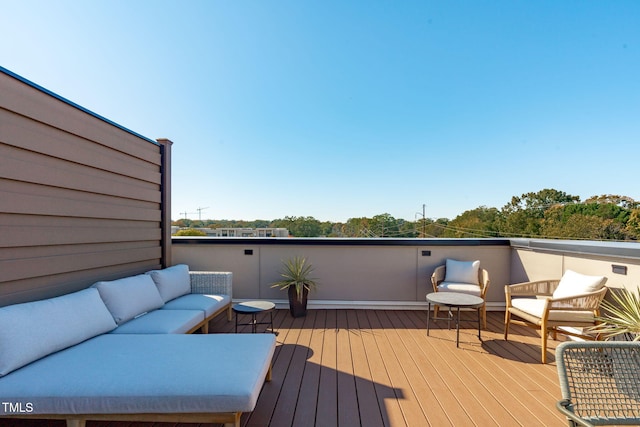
<point x="32" y="330"/>
<point x="207" y="303"/>
<point x="462" y="271"/>
<point x="464" y="288"/>
<point x="162" y="322"/>
<point x="535" y="307"/>
<point x="129" y="297"/>
<point x="573" y="283"/>
<point x="120" y="374"/>
<point x="172" y="282"/>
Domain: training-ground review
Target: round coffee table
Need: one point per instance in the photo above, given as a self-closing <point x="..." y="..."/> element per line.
<point x="455" y="300"/>
<point x="254" y="308"/>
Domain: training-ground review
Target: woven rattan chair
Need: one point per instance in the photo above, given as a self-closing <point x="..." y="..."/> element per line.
<point x="538" y="305"/>
<point x="600" y="382"/>
<point x="439" y="285"/>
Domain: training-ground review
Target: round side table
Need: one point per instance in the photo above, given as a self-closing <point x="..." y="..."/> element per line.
<point x="254" y="308"/>
<point x="454" y="300"/>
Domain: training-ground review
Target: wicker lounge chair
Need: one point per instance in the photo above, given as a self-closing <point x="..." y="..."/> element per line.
<point x="476" y="285"/>
<point x="600" y="382"/>
<point x="554" y="305"/>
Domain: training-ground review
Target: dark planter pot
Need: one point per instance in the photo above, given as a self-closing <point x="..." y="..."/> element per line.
<point x="297" y="307"/>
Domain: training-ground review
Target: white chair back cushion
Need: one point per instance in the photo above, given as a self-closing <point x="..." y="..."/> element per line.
<point x="462" y="271"/>
<point x="573" y="283"/>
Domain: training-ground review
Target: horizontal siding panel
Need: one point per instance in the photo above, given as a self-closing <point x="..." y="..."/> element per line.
<point x="27" y="166"/>
<point x="58" y="284"/>
<point x="22" y="132"/>
<point x="23" y="198"/>
<point x="60" y="221"/>
<point x="22" y="268"/>
<point x="30" y="102"/>
<point x="81" y="199"/>
<point x="21" y="236"/>
<point x="37" y="252"/>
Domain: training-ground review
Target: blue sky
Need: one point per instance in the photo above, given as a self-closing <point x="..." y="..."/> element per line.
<point x="341" y="109"/>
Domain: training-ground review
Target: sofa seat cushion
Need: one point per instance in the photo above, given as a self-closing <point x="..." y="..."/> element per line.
<point x="172" y="282"/>
<point x="128" y="374"/>
<point x="129" y="297"/>
<point x="36" y="329"/>
<point x="162" y="322"/>
<point x="535" y="308"/>
<point x="210" y="304"/>
<point x="464" y="288"/>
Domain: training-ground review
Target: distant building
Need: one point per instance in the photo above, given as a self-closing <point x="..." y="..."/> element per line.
<point x="245" y="232"/>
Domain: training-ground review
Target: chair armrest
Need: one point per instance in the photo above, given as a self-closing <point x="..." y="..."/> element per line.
<point x="583" y="302"/>
<point x="562" y="407"/>
<point x="530" y="289"/>
<point x="211" y="282"/>
<point x="484" y="281"/>
<point x="437" y="277"/>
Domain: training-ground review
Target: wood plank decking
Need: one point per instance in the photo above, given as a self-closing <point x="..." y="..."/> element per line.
<point x="378" y="368"/>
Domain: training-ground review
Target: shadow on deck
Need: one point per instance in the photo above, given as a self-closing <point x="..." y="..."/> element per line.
<point x="378" y="368"/>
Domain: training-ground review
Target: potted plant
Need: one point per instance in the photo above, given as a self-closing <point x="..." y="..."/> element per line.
<point x="621" y="316"/>
<point x="296" y="281"/>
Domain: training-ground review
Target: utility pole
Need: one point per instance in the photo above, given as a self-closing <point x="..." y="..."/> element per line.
<point x="424" y="217"/>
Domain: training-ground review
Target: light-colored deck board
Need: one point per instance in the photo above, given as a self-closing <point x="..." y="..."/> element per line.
<point x="390" y="410"/>
<point x="365" y="389"/>
<point x="444" y="376"/>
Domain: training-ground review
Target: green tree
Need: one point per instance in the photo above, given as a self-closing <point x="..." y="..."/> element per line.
<point x="190" y="232"/>
<point x="523" y="215"/>
<point x="300" y="226"/>
<point x="478" y="222"/>
<point x="384" y="225"/>
<point x="436" y="228"/>
<point x="357" y="227"/>
<point x="633" y="225"/>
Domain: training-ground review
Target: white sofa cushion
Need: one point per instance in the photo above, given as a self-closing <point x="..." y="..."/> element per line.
<point x="129" y="297"/>
<point x="162" y="322"/>
<point x="535" y="307"/>
<point x="573" y="283"/>
<point x="32" y="330"/>
<point x="172" y="282"/>
<point x="207" y="303"/>
<point x="461" y="271"/>
<point x="129" y="374"/>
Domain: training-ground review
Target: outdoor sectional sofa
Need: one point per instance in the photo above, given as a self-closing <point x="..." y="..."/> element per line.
<point x="117" y="351"/>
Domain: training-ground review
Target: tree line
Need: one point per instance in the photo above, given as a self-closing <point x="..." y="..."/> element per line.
<point x="548" y="213"/>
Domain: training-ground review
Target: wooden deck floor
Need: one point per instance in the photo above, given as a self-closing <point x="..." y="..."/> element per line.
<point x="378" y="368"/>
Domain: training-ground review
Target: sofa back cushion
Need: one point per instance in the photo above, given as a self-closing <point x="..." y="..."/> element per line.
<point x="573" y="283"/>
<point x="33" y="330"/>
<point x="172" y="282"/>
<point x="129" y="297"/>
<point x="462" y="271"/>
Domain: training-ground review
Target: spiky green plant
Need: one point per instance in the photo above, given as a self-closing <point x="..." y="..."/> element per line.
<point x="620" y="316"/>
<point x="295" y="273"/>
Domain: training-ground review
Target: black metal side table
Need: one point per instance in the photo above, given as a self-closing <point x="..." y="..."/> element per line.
<point x="254" y="308"/>
<point x="454" y="300"/>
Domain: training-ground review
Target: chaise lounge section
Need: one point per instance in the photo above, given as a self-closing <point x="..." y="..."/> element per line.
<point x="63" y="358"/>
